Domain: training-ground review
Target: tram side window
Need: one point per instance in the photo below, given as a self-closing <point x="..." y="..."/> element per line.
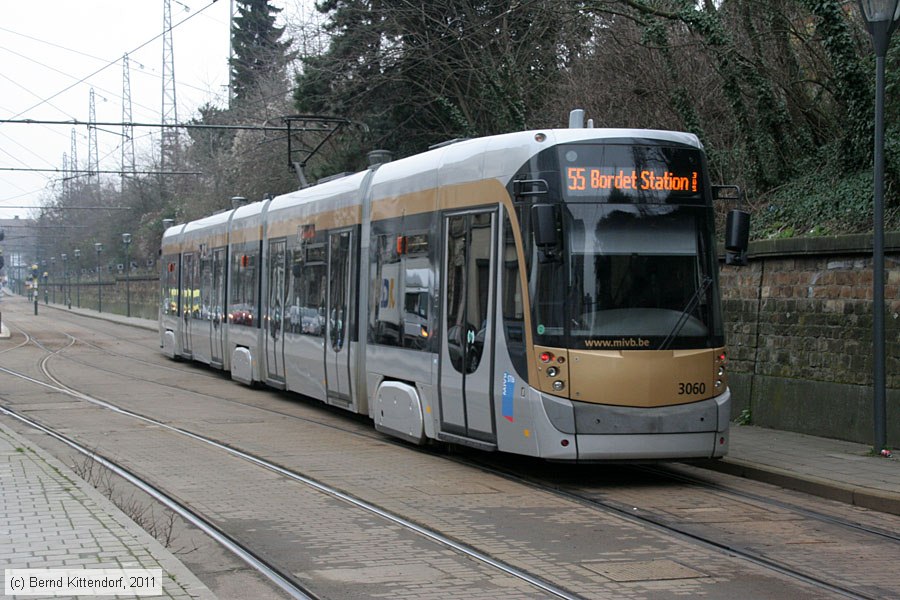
<point x="242" y="306"/>
<point x="204" y="290"/>
<point x="189" y="279"/>
<point x="402" y="286"/>
<point x="306" y="312"/>
<point x="339" y="289"/>
<point x="417" y="290"/>
<point x="513" y="306"/>
<point x="169" y="291"/>
<point x="546" y="279"/>
<point x="292" y="297"/>
<point x="385" y="326"/>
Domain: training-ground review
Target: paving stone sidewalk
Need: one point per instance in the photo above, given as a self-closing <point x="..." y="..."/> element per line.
<point x="835" y="469"/>
<point x="51" y="519"/>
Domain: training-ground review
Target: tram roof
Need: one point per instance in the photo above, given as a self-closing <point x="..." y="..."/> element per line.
<point x="498" y="156"/>
<point x="346" y="187"/>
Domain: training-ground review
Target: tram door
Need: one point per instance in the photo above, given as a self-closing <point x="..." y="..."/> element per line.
<point x="217" y="301"/>
<point x="274" y="322"/>
<point x="337" y="344"/>
<point x="467" y="345"/>
<point x="188" y="285"/>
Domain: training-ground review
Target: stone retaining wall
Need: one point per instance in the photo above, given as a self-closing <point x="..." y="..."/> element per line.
<point x="799" y="331"/>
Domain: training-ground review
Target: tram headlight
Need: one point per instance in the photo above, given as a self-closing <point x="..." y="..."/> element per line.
<point x="559" y="385"/>
<point x="552" y="371"/>
<point x="720" y="372"/>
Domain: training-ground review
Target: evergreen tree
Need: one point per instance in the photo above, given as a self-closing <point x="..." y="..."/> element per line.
<point x="421" y="73"/>
<point x="260" y="56"/>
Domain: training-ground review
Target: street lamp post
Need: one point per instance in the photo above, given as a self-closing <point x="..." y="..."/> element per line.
<point x="55" y="275"/>
<point x="77" y="253"/>
<point x="34" y="286"/>
<point x="66" y="286"/>
<point x="126" y="239"/>
<point x="881" y="17"/>
<point x="99" y="248"/>
<point x="45" y="275"/>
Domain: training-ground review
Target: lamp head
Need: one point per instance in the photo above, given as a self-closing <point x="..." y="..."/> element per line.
<point x="880" y="10"/>
<point x="881" y="17"/>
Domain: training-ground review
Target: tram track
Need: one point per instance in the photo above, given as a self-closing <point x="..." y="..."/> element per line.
<point x="892" y="536"/>
<point x="198" y="371"/>
<point x="157" y="364"/>
<point x="359" y="503"/>
<point x="368" y="432"/>
<point x="644" y="517"/>
<point x="654" y="470"/>
<point x="272" y="573"/>
<point x="75" y="318"/>
<point x="662" y="523"/>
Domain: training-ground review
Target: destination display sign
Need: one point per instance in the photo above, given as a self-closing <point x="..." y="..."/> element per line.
<point x="623" y="173"/>
<point x="582" y="179"/>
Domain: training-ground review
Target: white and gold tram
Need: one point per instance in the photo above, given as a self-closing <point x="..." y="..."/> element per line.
<point x="549" y="293"/>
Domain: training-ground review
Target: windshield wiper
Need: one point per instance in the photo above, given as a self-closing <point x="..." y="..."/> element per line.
<point x="686" y="313"/>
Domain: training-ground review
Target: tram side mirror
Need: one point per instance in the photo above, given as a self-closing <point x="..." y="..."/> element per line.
<point x="543" y="224"/>
<point x="737" y="237"/>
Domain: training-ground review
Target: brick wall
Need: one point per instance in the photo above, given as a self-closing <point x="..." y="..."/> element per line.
<point x="799" y="331"/>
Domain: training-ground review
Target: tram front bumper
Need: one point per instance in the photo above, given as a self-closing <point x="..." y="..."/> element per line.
<point x="610" y="433"/>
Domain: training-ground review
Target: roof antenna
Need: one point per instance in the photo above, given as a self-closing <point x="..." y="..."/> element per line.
<point x="576" y="119"/>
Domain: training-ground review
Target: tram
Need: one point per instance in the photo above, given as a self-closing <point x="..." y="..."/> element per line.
<point x="549" y="293"/>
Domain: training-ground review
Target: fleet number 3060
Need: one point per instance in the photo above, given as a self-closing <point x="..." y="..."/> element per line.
<point x="691" y="389"/>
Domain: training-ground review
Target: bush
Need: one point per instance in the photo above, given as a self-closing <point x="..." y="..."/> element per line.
<point x="822" y="201"/>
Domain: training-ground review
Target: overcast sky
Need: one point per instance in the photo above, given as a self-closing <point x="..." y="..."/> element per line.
<point x="53" y="52"/>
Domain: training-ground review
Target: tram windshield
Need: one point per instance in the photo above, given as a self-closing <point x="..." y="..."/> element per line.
<point x="635" y="269"/>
